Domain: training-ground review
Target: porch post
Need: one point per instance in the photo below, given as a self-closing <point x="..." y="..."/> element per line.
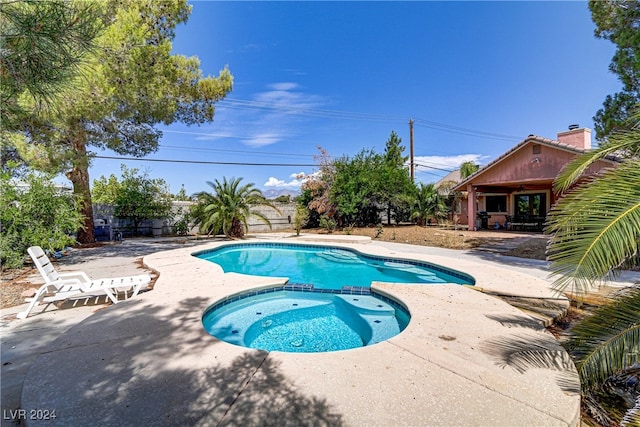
<point x="471" y="207"/>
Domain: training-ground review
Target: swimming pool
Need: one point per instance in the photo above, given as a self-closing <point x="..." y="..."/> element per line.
<point x="327" y="303"/>
<point x="327" y="267"/>
<point x="305" y="322"/>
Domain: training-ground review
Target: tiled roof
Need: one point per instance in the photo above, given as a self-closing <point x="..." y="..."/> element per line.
<point x="446" y="183"/>
<point x="530" y="139"/>
<point x="453" y="176"/>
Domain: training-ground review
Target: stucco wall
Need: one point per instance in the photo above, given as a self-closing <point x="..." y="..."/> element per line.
<point x="104" y="213"/>
<point x="279" y="221"/>
<point x="525" y="166"/>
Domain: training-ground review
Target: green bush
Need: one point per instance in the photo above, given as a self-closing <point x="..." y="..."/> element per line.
<point x="139" y="197"/>
<point x="38" y="214"/>
<point x="327" y="223"/>
<point x="181" y="226"/>
<point x="300" y="218"/>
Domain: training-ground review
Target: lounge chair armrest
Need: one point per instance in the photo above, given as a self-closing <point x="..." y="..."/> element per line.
<point x="75" y="282"/>
<point x="80" y="275"/>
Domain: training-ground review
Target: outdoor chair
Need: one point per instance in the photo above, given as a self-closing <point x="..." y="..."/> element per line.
<point x="62" y="286"/>
<point x="514" y="222"/>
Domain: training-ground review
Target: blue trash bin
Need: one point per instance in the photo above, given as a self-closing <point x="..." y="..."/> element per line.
<point x="102" y="233"/>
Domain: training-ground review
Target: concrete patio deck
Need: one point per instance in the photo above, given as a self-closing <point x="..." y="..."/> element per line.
<point x="466" y="358"/>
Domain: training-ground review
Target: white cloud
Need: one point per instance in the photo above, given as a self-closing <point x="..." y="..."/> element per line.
<point x="298" y="175"/>
<point x="283" y="87"/>
<point x="265" y="119"/>
<point x="262" y="139"/>
<point x="279" y="183"/>
<point x="431" y="165"/>
<point x="202" y="135"/>
<point x="285" y="98"/>
<point x="296" y="180"/>
<point x="294" y="71"/>
<point x="446" y="162"/>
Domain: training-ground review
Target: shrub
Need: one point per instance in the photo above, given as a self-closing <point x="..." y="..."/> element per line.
<point x="181" y="226"/>
<point x="328" y="224"/>
<point x="300" y="218"/>
<point x="40" y="214"/>
<point x="348" y="230"/>
<point x="139" y="198"/>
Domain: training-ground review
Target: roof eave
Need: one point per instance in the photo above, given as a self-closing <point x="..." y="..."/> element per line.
<point x="533" y="139"/>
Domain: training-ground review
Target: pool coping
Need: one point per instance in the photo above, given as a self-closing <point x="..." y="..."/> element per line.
<point x="331" y="246"/>
<point x="349" y="300"/>
<point x="156" y="362"/>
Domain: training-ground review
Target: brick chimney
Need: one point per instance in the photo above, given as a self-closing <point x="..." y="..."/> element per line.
<point x="576" y="136"/>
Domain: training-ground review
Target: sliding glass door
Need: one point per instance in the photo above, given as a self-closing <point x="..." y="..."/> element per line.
<point x="533" y="205"/>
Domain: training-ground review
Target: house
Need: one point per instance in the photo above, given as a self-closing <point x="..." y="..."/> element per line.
<point x="446" y="183"/>
<point x="22" y="187"/>
<point x="517" y="187"/>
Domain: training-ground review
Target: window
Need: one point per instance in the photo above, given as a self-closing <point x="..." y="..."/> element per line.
<point x="531" y="204"/>
<point x="536" y="148"/>
<point x="496" y="203"/>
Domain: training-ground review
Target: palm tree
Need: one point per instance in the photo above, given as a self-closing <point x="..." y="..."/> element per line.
<point x="467" y="169"/>
<point x="428" y="203"/>
<point x="229" y="207"/>
<point x="595" y="233"/>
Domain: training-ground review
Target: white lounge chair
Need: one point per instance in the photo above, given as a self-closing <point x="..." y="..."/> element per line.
<point x="62" y="286"/>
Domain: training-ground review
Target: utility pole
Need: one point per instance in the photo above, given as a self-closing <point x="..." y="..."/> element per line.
<point x="411" y="165"/>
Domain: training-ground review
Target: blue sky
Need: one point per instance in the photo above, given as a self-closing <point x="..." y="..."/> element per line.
<point x="477" y="78"/>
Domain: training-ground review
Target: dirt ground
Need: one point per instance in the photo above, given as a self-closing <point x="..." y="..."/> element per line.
<point x="15" y="285"/>
<point x="527" y="245"/>
<point x="16" y="282"/>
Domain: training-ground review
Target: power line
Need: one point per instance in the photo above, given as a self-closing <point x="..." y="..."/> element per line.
<point x="432" y="173"/>
<point x="300" y="110"/>
<point x="351" y="115"/>
<point x="432" y="167"/>
<point x="212" y="135"/>
<point x="464" y="131"/>
<point x="218" y="150"/>
<point x="204" y="162"/>
<point x="307" y="111"/>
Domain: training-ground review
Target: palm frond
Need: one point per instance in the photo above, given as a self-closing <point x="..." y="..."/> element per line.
<point x="572" y="172"/>
<point x="608" y="341"/>
<point x="228" y="206"/>
<point x="528" y="352"/>
<point x="622" y="143"/>
<point x="596" y="228"/>
<point x="632" y="417"/>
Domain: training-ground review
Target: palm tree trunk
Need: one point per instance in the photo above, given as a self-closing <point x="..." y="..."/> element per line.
<point x="237" y="229"/>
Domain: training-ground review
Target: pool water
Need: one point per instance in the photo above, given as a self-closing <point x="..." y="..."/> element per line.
<point x="304" y="322"/>
<point x="328" y="317"/>
<point x="326" y="267"/>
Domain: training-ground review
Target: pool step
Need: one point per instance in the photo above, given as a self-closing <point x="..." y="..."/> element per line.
<point x="345" y="257"/>
<point x="409" y="268"/>
<point x="368" y="306"/>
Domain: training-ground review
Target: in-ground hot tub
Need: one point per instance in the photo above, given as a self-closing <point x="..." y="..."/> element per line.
<point x="328" y="304"/>
<point x="305" y="322"/>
